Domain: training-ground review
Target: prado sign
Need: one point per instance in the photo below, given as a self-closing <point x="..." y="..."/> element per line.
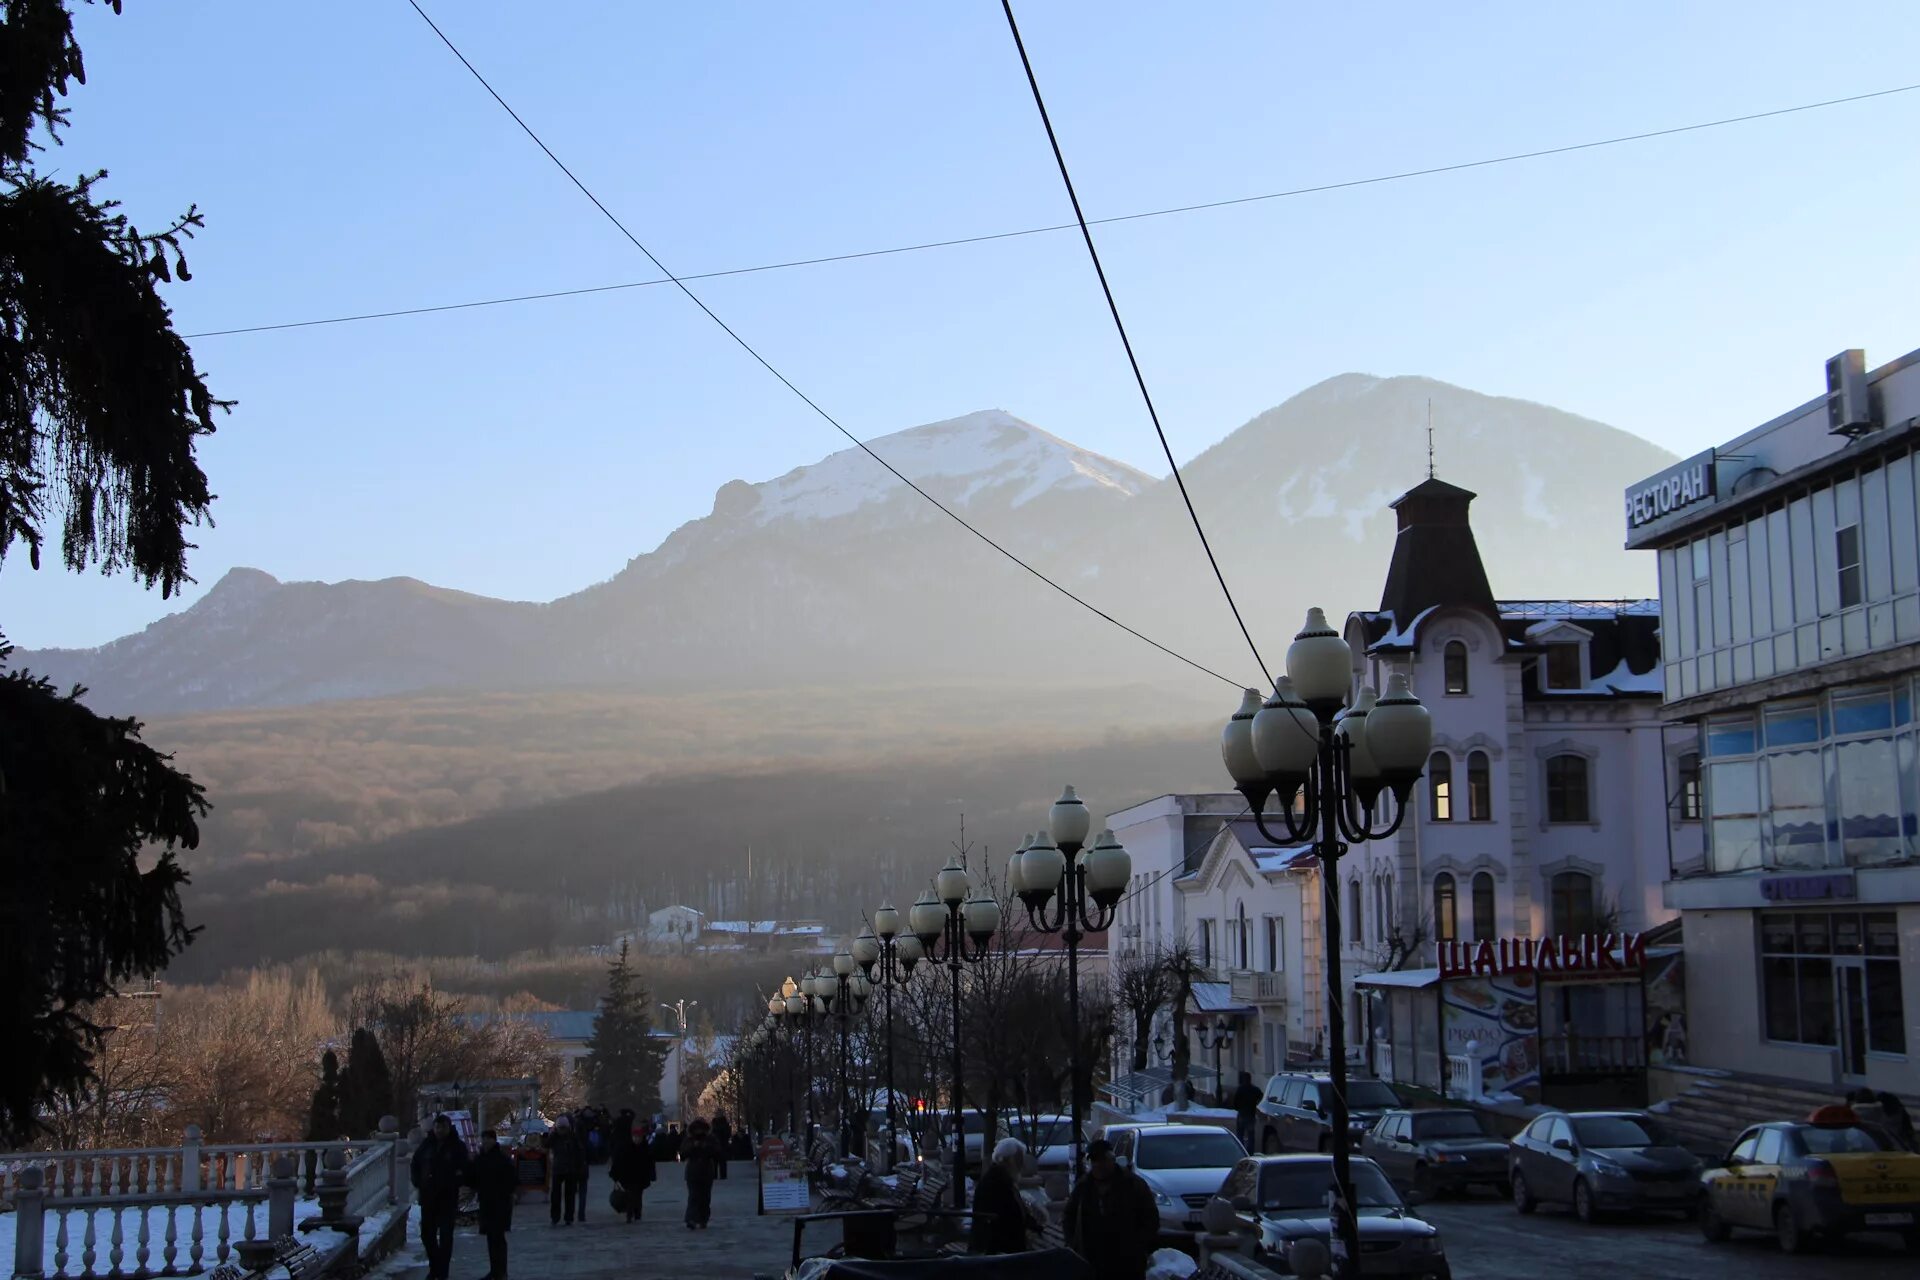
<point x="1691" y="483"/>
<point x="1588" y="955"/>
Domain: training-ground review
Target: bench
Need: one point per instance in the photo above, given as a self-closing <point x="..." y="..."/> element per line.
<point x="257" y="1258"/>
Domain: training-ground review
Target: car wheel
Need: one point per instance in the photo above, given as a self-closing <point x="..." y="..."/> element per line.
<point x="1787" y="1230"/>
<point x="1270" y="1143"/>
<point x="1522" y="1198"/>
<point x="1711" y="1225"/>
<point x="1583" y="1207"/>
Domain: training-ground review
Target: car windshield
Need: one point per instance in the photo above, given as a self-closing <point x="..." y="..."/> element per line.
<point x="1057" y="1133"/>
<point x="1370" y="1095"/>
<point x="1449" y="1124"/>
<point x="1303" y="1184"/>
<point x="1216" y="1150"/>
<point x="1615" y="1131"/>
<point x="1841" y="1140"/>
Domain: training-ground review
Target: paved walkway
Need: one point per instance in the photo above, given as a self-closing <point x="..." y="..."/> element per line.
<point x="738" y="1245"/>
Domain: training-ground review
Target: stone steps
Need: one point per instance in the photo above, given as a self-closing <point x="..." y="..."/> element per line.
<point x="1710" y="1115"/>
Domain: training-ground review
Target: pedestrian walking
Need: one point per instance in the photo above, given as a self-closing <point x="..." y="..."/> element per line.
<point x="439" y="1170"/>
<point x="634" y="1170"/>
<point x="1111" y="1220"/>
<point x="700" y="1160"/>
<point x="1246" y="1108"/>
<point x="494" y="1183"/>
<point x="566" y="1170"/>
<point x="722" y="1140"/>
<point x="999" y="1215"/>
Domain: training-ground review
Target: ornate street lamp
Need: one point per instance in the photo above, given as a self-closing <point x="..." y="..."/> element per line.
<point x="1327" y="766"/>
<point x="955" y="923"/>
<point x="846" y="993"/>
<point x="778" y="1017"/>
<point x="1085" y="890"/>
<point x="803" y="1007"/>
<point x="1222" y="1038"/>
<point x="887" y="957"/>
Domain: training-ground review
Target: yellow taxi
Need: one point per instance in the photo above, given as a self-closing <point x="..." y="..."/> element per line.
<point x="1828" y="1175"/>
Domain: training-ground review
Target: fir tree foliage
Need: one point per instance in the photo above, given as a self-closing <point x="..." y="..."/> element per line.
<point x="623" y="1059"/>
<point x="323" y="1113"/>
<point x="366" y="1085"/>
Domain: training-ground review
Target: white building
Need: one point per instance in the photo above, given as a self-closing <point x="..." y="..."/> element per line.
<point x="1790" y="608"/>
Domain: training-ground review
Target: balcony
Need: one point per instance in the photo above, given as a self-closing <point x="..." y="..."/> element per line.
<point x="1253" y="987"/>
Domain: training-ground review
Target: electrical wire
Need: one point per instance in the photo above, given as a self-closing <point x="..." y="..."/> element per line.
<point x="784" y="380"/>
<point x="1133" y="361"/>
<point x="990" y="236"/>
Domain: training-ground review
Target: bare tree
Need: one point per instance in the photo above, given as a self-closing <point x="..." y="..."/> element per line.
<point x="1141" y="989"/>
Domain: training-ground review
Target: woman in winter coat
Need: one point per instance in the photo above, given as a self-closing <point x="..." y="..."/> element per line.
<point x="633" y="1169"/>
<point x="999" y="1215"/>
<point x="701" y="1159"/>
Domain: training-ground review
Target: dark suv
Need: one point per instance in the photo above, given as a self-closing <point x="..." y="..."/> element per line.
<point x="1293" y="1115"/>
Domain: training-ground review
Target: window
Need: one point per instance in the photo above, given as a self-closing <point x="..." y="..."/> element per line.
<point x="1276" y="944"/>
<point x="1799" y="952"/>
<point x="1563" y="666"/>
<point x="1243" y="940"/>
<point x="1567" y="788"/>
<point x="1440" y="786"/>
<point x="1454" y="664"/>
<point x="1846" y="544"/>
<point x="1446" y="917"/>
<point x="1356" y="917"/>
<point x="1479" y="787"/>
<point x="1743" y="1150"/>
<point x="1768" y="1151"/>
<point x="1483" y="920"/>
<point x="1572" y="903"/>
<point x="1689" y="788"/>
<point x="1206" y="944"/>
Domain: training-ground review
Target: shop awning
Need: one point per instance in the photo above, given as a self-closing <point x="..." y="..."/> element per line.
<point x="1410" y="979"/>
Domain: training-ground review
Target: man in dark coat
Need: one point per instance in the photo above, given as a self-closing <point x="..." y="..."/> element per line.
<point x="494" y="1182"/>
<point x="1246" y="1108"/>
<point x="566" y="1170"/>
<point x="439" y="1171"/>
<point x="701" y="1161"/>
<point x="1111" y="1220"/>
<point x="722" y="1140"/>
<point x="634" y="1170"/>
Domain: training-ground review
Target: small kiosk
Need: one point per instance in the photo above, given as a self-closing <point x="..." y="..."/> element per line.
<point x="1567" y="1022"/>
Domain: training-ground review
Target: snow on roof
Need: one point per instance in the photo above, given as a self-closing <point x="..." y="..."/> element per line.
<point x="1216" y="997"/>
<point x="742" y="926"/>
<point x="1397" y="636"/>
<point x="1412" y="978"/>
<point x="1272" y="860"/>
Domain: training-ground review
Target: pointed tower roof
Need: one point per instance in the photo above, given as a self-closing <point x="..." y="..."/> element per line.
<point x="1435" y="559"/>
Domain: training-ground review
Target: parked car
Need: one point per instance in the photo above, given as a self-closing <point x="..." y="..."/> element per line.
<point x="1278" y="1201"/>
<point x="1601" y="1160"/>
<point x="1185" y="1164"/>
<point x="1438" y="1151"/>
<point x="1293" y="1115"/>
<point x="1049" y="1142"/>
<point x="1803" y="1181"/>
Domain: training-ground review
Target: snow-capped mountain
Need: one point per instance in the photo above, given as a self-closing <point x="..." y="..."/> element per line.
<point x="837" y="573"/>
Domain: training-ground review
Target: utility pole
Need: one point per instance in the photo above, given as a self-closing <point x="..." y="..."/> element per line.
<point x="679" y="1009"/>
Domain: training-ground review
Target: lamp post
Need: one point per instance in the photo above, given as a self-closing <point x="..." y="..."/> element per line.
<point x="947" y="918"/>
<point x="679" y="1009"/>
<point x="847" y="991"/>
<point x="1085" y="889"/>
<point x="888" y="957"/>
<point x="1222" y="1038"/>
<point x="778" y="1018"/>
<point x="1327" y="757"/>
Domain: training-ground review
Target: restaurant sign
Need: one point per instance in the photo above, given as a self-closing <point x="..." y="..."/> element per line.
<point x="1833" y="884"/>
<point x="1688" y="484"/>
<point x="1587" y="954"/>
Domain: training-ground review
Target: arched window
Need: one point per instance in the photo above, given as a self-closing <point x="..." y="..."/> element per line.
<point x="1440" y="786"/>
<point x="1446" y="914"/>
<point x="1479" y="787"/>
<point x="1689" y="797"/>
<point x="1567" y="788"/>
<point x="1484" y="925"/>
<point x="1243" y="942"/>
<point x="1572" y="903"/>
<point x="1453" y="662"/>
<point x="1356" y="918"/>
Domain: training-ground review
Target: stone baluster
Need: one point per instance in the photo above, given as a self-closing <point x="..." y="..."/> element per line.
<point x="89" y="1241"/>
<point x="221" y="1249"/>
<point x="396" y="1159"/>
<point x="170" y="1247"/>
<point x="117" y="1240"/>
<point x="280" y="1196"/>
<point x="29" y="1222"/>
<point x="143" y="1240"/>
<point x="60" y="1240"/>
<point x="196" y="1247"/>
<point x="190" y="1160"/>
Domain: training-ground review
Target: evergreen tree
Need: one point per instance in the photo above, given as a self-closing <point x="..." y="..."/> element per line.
<point x="323" y="1113"/>
<point x="623" y="1059"/>
<point x="366" y="1086"/>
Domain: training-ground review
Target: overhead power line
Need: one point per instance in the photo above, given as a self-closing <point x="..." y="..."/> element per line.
<point x="987" y="237"/>
<point x="1113" y="309"/>
<point x="747" y="347"/>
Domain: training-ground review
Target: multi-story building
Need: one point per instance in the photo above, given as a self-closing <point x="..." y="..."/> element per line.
<point x="1789" y="563"/>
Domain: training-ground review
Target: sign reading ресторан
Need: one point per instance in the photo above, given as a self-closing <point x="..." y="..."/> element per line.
<point x="1689" y="484"/>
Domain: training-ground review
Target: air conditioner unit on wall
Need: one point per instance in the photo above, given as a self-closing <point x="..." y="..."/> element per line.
<point x="1849" y="411"/>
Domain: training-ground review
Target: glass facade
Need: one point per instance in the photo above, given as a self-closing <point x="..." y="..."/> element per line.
<point x="1808" y="784"/>
<point x="1825" y="975"/>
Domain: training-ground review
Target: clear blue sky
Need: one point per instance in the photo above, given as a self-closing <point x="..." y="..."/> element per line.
<point x="1683" y="288"/>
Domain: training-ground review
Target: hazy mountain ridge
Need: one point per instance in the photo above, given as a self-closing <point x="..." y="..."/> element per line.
<point x="837" y="572"/>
